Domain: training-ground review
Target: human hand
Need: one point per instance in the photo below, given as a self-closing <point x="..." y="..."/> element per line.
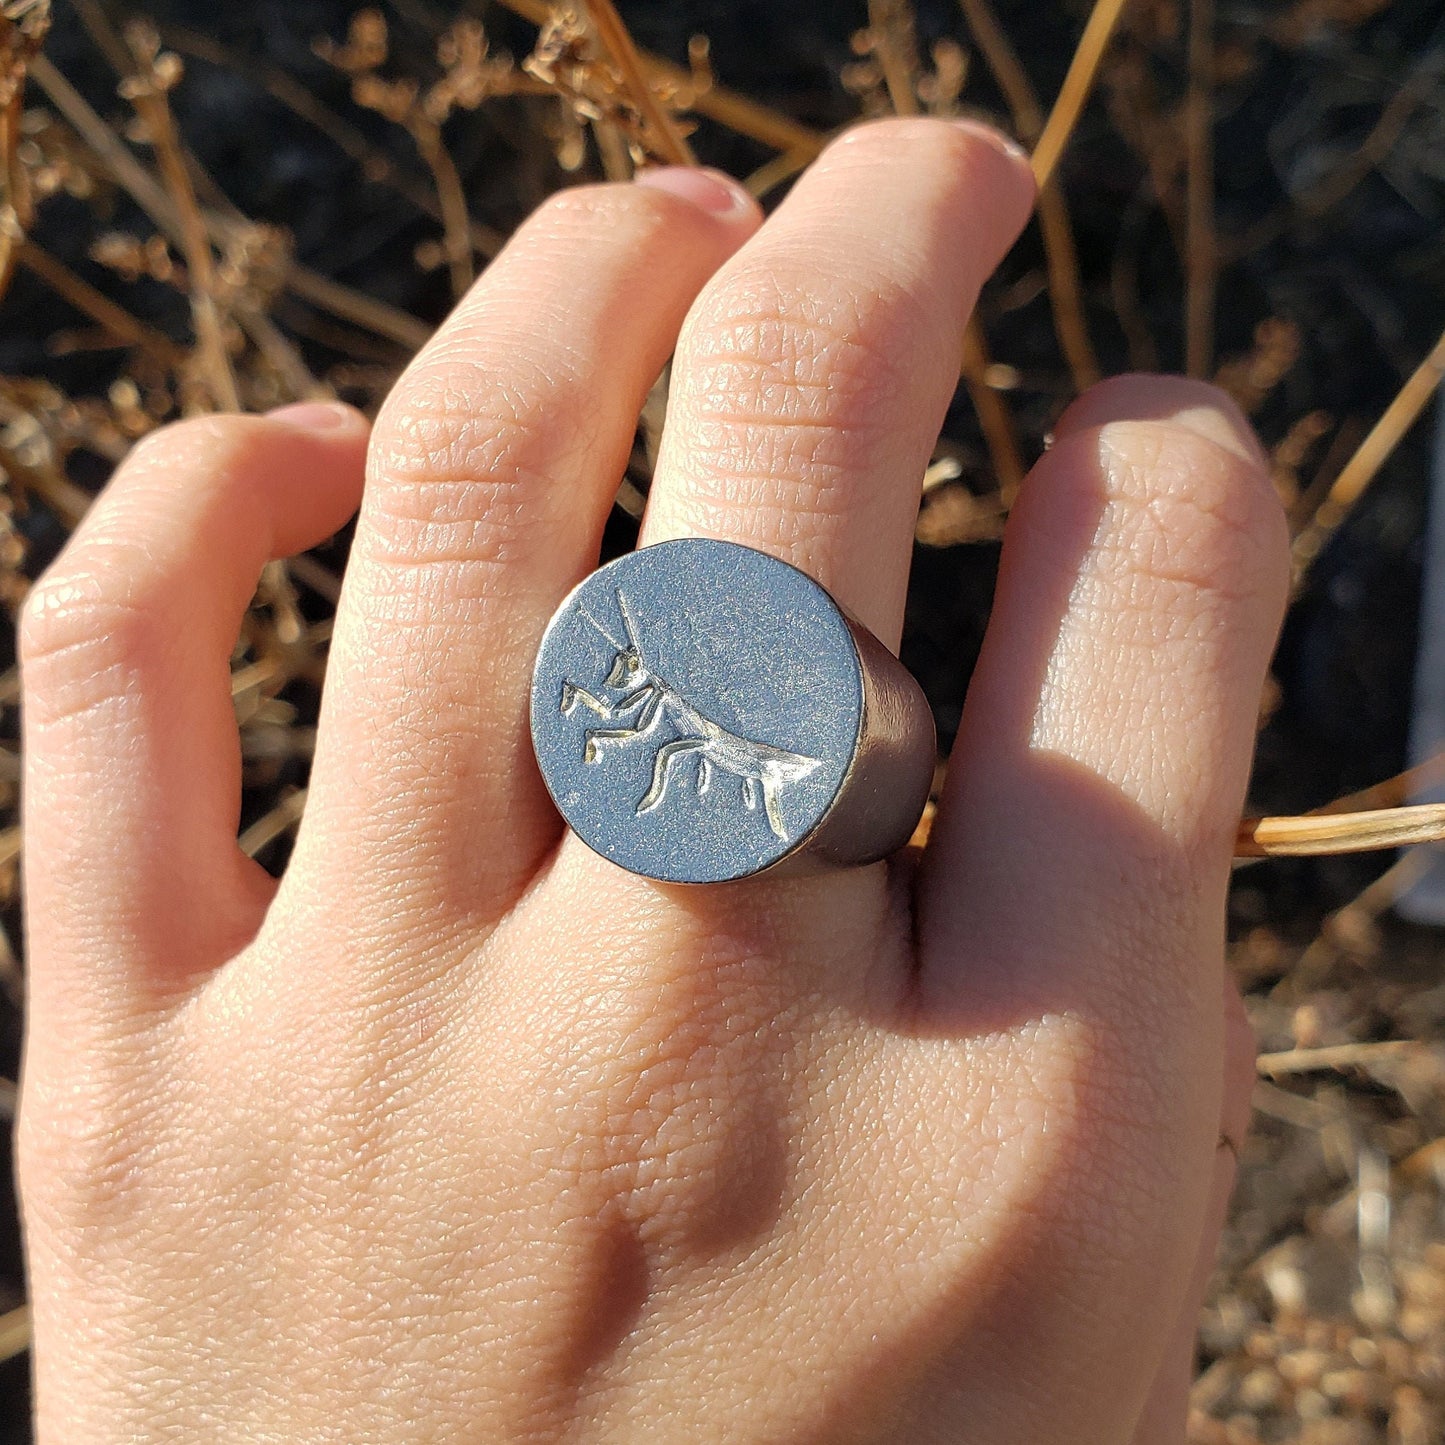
<point x="461" y="1133"/>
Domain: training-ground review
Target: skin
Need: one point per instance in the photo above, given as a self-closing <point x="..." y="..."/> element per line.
<point x="459" y="1133"/>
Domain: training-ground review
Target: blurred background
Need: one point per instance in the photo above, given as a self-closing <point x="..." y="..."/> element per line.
<point x="212" y="208"/>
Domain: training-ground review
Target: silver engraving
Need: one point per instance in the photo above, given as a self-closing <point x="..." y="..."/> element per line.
<point x="647" y="698"/>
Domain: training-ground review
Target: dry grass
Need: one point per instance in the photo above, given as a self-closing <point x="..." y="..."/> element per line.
<point x="1327" y="1322"/>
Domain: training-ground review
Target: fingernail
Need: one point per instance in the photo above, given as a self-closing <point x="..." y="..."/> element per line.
<point x="1194" y="405"/>
<point x="1006" y="145"/>
<point x="315" y="415"/>
<point x="708" y="190"/>
<point x="1226" y="427"/>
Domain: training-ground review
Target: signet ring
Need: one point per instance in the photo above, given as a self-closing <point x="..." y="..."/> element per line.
<point x="703" y="712"/>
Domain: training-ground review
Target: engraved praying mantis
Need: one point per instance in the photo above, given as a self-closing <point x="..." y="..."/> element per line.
<point x="649" y="699"/>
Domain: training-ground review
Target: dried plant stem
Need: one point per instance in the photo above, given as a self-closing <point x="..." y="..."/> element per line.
<point x="1201" y="260"/>
<point x="1361" y="468"/>
<point x="1103" y="19"/>
<point x="138" y="182"/>
<point x="1065" y="290"/>
<point x="993" y="414"/>
<point x="667" y="140"/>
<point x="326" y="294"/>
<point x="175" y="200"/>
<point x="727" y="107"/>
<point x="452" y="198"/>
<point x="1331" y="1056"/>
<point x="275" y="824"/>
<point x="1006" y="67"/>
<point x="1392" y="792"/>
<point x="286" y="361"/>
<point x="153" y="108"/>
<point x="105" y="36"/>
<point x="783" y="167"/>
<point x="612" y="148"/>
<point x="375" y="164"/>
<point x="14" y="1332"/>
<point x="17" y="209"/>
<point x="890" y="22"/>
<point x="1365" y="832"/>
<point x="60" y="494"/>
<point x="358" y="308"/>
<point x="98" y="306"/>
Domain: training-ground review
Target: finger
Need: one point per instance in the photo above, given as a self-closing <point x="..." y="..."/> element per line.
<point x="813" y="375"/>
<point x="1110" y="722"/>
<point x="1166" y="1413"/>
<point x="132" y="773"/>
<point x="492" y="471"/>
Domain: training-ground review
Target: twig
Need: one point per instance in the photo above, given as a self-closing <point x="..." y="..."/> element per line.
<point x="320" y="291"/>
<point x="21" y="38"/>
<point x="891" y="25"/>
<point x="358" y="308"/>
<point x="279" y="821"/>
<point x="113" y="152"/>
<point x="174" y="206"/>
<point x="67" y="500"/>
<point x="727" y="107"/>
<point x="612" y="147"/>
<point x="375" y="164"/>
<point x="146" y="89"/>
<point x="451" y="197"/>
<point x="1199" y="247"/>
<point x="1065" y="291"/>
<point x="285" y="359"/>
<point x="993" y="414"/>
<point x="14" y="1333"/>
<point x="1392" y="792"/>
<point x="1124" y="285"/>
<point x="1373" y="452"/>
<point x="667" y="139"/>
<point x="1367" y="832"/>
<point x="1332" y="1056"/>
<point x="783" y="167"/>
<point x="1079" y="81"/>
<point x="98" y="306"/>
<point x="1338" y="183"/>
<point x="98" y="26"/>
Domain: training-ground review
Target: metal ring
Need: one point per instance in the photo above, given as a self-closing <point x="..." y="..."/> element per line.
<point x="702" y="712"/>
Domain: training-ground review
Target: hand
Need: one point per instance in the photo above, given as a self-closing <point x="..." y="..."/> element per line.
<point x="461" y="1133"/>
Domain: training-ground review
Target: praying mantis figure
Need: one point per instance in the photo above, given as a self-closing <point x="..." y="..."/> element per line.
<point x="647" y="699"/>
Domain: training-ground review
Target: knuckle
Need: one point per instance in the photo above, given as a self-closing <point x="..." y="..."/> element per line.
<point x="81" y="624"/>
<point x="795" y="379"/>
<point x="668" y="1109"/>
<point x="199" y="440"/>
<point x="624" y="216"/>
<point x="83" y="1147"/>
<point x="461" y="460"/>
<point x="774" y="323"/>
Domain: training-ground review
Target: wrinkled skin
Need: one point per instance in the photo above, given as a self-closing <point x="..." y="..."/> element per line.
<point x="459" y="1133"/>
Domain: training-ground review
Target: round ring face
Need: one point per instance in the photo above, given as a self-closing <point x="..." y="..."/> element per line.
<point x="696" y="707"/>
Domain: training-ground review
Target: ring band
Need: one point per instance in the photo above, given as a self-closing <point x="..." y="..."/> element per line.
<point x="702" y="712"/>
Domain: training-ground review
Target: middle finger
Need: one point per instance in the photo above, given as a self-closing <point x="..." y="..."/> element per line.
<point x="814" y="371"/>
